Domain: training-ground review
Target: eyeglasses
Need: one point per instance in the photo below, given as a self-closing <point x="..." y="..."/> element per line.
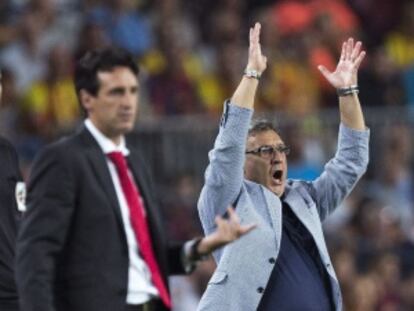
<point x="268" y="152"/>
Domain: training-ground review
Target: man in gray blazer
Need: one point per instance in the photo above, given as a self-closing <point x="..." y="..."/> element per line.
<point x="283" y="264"/>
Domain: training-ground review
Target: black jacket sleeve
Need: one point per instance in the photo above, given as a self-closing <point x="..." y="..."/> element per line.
<point x="9" y="215"/>
<point x="44" y="229"/>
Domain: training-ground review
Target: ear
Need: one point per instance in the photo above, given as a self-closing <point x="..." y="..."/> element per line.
<point x="86" y="100"/>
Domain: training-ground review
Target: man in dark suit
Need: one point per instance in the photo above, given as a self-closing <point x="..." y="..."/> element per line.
<point x="11" y="188"/>
<point x="92" y="237"/>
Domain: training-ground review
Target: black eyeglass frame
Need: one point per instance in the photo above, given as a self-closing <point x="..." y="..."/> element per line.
<point x="262" y="149"/>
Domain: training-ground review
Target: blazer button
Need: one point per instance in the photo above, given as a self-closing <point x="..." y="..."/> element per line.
<point x="272" y="260"/>
<point x="260" y="290"/>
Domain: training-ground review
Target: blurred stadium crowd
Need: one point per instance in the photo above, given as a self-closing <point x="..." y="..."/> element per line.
<point x="191" y="56"/>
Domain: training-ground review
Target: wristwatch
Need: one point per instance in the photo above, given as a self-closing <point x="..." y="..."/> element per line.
<point x="252" y="73"/>
<point x="345" y="91"/>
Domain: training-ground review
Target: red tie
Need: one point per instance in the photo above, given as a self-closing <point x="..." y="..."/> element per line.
<point x="139" y="223"/>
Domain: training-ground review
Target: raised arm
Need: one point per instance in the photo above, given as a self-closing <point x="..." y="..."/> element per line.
<point x="224" y="175"/>
<point x="351" y="159"/>
<point x="345" y="80"/>
<point x="246" y="91"/>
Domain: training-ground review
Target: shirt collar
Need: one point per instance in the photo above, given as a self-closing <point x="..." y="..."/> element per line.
<point x="104" y="142"/>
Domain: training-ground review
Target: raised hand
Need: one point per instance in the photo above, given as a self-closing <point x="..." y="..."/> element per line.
<point x="345" y="74"/>
<point x="256" y="59"/>
<point x="244" y="94"/>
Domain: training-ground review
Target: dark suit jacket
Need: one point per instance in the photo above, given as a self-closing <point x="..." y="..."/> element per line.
<point x="72" y="250"/>
<point x="9" y="176"/>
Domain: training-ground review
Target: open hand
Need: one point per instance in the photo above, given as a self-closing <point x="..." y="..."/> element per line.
<point x="345" y="74"/>
<point x="231" y="229"/>
<point x="256" y="59"/>
<point x="227" y="231"/>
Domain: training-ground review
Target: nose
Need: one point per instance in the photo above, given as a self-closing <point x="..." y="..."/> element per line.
<point x="129" y="100"/>
<point x="275" y="161"/>
<point x="277" y="157"/>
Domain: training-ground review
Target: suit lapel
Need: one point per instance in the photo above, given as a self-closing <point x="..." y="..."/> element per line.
<point x="311" y="221"/>
<point x="302" y="211"/>
<point x="99" y="166"/>
<point x="274" y="208"/>
<point x="298" y="206"/>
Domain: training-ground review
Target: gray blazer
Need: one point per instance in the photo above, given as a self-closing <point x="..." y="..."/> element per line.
<point x="244" y="266"/>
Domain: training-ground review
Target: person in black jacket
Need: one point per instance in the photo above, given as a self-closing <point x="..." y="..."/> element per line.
<point x="11" y="188"/>
<point x="92" y="236"/>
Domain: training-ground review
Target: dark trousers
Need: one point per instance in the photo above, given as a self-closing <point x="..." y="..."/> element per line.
<point x="152" y="305"/>
<point x="9" y="306"/>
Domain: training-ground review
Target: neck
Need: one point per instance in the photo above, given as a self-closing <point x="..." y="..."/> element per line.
<point x="114" y="137"/>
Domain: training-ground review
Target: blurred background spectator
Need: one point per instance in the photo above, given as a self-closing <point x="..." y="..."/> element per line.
<point x="191" y="56"/>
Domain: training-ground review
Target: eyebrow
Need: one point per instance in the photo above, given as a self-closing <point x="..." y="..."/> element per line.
<point x="277" y="145"/>
<point x="121" y="89"/>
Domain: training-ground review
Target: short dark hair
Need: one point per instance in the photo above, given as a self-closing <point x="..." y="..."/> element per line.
<point x="87" y="68"/>
<point x="259" y="126"/>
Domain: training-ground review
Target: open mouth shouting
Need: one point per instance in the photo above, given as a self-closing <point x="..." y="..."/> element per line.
<point x="277" y="177"/>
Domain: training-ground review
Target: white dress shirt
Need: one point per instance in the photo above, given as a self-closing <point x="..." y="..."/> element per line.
<point x="140" y="287"/>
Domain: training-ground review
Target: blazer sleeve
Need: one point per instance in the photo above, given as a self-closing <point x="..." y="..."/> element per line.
<point x="341" y="173"/>
<point x="176" y="261"/>
<point x="12" y="158"/>
<point x="9" y="215"/>
<point x="50" y="206"/>
<point x="224" y="175"/>
<point x="9" y="176"/>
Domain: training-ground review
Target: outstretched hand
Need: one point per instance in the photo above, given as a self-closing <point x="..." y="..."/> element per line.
<point x="257" y="61"/>
<point x="227" y="231"/>
<point x="345" y="74"/>
<point x="231" y="229"/>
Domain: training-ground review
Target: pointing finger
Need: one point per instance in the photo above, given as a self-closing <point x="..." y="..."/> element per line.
<point x="247" y="228"/>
